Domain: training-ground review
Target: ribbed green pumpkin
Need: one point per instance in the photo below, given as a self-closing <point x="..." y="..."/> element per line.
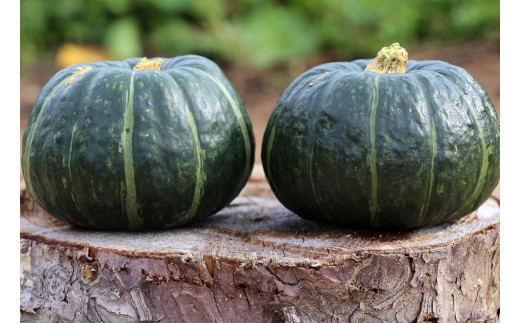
<point x="137" y="144"/>
<point x="390" y="150"/>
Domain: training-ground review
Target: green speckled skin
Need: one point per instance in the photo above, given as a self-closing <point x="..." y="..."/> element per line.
<point x="386" y="151"/>
<point x="136" y="150"/>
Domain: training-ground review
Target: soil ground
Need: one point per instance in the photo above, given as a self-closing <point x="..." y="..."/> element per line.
<point x="260" y="89"/>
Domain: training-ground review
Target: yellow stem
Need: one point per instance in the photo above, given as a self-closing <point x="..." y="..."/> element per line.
<point x="146" y="64"/>
<point x="391" y="59"/>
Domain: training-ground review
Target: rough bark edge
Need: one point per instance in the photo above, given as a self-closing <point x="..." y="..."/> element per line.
<point x="458" y="283"/>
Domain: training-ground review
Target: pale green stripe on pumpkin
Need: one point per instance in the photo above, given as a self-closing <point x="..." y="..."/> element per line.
<point x="74" y="128"/>
<point x="239" y="117"/>
<point x="131" y="206"/>
<point x="311" y="178"/>
<point x="201" y="176"/>
<point x="311" y="173"/>
<point x="373" y="155"/>
<point x="433" y="137"/>
<point x="26" y="160"/>
<point x="485" y="153"/>
<point x="70" y="147"/>
<point x="270" y="142"/>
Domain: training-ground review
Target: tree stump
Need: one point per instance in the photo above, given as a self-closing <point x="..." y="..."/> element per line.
<point x="255" y="261"/>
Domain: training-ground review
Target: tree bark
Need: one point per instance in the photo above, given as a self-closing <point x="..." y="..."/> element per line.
<point x="255" y="261"/>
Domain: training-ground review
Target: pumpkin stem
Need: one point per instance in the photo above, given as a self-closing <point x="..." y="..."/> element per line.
<point x="146" y="64"/>
<point x="391" y="59"/>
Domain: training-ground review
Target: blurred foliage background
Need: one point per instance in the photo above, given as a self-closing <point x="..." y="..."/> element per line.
<point x="254" y="33"/>
<point x="261" y="45"/>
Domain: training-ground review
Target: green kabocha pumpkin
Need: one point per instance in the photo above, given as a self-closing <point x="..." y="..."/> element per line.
<point x="388" y="144"/>
<point x="137" y="144"/>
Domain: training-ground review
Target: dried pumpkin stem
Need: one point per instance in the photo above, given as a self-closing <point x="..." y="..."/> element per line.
<point x="146" y="64"/>
<point x="391" y="59"/>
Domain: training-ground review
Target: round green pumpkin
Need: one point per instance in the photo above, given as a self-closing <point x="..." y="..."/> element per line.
<point x="137" y="144"/>
<point x="383" y="148"/>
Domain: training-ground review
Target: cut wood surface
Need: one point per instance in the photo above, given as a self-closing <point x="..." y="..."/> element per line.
<point x="255" y="261"/>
